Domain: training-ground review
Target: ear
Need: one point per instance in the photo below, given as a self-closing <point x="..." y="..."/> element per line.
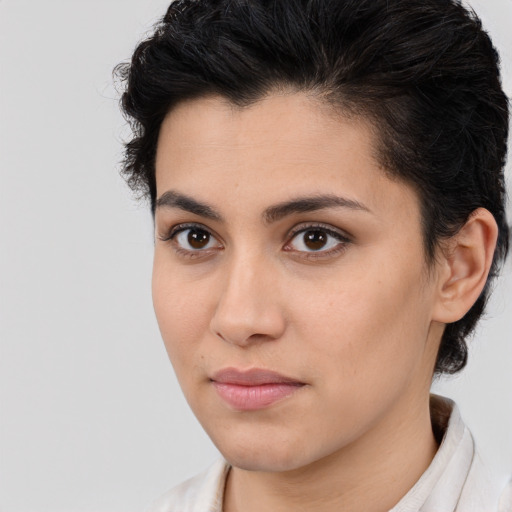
<point x="464" y="265"/>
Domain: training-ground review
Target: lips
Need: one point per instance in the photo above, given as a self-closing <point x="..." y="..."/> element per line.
<point x="253" y="389"/>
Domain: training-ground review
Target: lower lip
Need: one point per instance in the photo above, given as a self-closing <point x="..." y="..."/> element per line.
<point x="252" y="398"/>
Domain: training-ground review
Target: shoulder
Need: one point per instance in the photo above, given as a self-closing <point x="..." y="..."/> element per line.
<point x="483" y="489"/>
<point x="201" y="493"/>
<point x="457" y="480"/>
<point x="506" y="498"/>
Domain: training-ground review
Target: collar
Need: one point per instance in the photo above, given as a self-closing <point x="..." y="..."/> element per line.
<point x="443" y="487"/>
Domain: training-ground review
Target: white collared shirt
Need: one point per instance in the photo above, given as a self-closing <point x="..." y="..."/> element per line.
<point x="455" y="481"/>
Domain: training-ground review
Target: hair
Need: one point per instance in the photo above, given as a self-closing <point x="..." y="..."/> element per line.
<point x="424" y="72"/>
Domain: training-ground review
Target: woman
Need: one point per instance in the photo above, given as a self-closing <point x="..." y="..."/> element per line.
<point x="326" y="179"/>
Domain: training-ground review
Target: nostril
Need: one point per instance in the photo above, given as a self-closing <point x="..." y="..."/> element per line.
<point x="244" y="339"/>
<point x="219" y="335"/>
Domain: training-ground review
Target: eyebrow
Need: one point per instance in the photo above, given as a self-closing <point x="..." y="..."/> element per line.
<point x="172" y="199"/>
<point x="310" y="204"/>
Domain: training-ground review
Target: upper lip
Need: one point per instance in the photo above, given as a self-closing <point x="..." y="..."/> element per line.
<point x="252" y="377"/>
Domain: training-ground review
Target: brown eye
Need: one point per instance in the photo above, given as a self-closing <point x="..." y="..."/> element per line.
<point x="197" y="238"/>
<point x="315" y="239"/>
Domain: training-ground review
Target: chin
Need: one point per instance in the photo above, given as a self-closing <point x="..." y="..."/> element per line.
<point x="257" y="453"/>
<point x="269" y="462"/>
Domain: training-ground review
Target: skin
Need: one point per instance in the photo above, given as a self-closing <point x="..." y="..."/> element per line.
<point x="358" y="321"/>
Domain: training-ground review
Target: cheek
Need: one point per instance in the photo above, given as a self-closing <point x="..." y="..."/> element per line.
<point x="179" y="318"/>
<point x="365" y="346"/>
<point x="367" y="323"/>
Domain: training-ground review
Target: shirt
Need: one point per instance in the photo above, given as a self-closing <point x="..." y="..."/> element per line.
<point x="455" y="481"/>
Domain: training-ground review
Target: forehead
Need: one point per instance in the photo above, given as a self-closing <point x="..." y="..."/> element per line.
<point x="283" y="146"/>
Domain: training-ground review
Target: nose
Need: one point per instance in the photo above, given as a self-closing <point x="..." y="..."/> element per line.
<point x="248" y="309"/>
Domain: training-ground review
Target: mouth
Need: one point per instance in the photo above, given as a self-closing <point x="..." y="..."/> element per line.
<point x="253" y="389"/>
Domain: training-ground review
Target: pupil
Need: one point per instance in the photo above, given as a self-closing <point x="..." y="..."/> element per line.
<point x="315" y="240"/>
<point x="198" y="239"/>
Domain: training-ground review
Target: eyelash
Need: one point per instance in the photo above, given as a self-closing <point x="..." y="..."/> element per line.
<point x="342" y="238"/>
<point x="181" y="228"/>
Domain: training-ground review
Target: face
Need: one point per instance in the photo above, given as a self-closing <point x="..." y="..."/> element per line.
<point x="290" y="282"/>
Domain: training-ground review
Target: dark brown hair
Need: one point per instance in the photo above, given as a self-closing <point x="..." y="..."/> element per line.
<point x="423" y="71"/>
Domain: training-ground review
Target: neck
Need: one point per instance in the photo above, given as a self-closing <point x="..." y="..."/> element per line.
<point x="372" y="474"/>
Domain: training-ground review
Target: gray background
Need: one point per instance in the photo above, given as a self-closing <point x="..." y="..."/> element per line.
<point x="91" y="416"/>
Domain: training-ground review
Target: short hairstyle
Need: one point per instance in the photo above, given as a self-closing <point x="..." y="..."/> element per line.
<point x="424" y="72"/>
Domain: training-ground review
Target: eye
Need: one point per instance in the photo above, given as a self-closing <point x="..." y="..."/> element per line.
<point x="317" y="239"/>
<point x="195" y="239"/>
<point x="192" y="238"/>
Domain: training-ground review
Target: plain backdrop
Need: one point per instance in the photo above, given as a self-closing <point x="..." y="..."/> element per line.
<point x="91" y="416"/>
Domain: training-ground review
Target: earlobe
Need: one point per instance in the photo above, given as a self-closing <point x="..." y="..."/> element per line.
<point x="465" y="263"/>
